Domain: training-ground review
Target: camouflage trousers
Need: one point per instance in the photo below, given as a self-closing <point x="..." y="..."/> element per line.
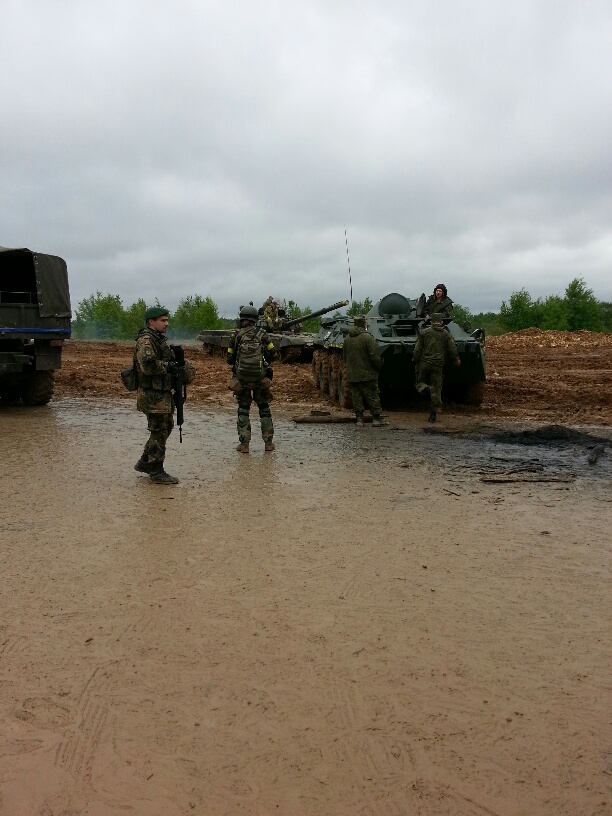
<point x="160" y="427"/>
<point x="244" y="399"/>
<point x="432" y="375"/>
<point x="365" y="394"/>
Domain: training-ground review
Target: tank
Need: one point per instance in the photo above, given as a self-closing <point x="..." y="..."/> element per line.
<point x="394" y="324"/>
<point x="292" y="345"/>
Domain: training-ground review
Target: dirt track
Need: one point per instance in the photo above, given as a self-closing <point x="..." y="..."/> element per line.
<point x="363" y="623"/>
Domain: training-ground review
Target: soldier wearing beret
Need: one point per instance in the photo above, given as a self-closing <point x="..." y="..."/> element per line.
<point x="433" y="348"/>
<point x="154" y="361"/>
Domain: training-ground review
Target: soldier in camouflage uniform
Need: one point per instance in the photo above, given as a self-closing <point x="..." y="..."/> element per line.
<point x="247" y="392"/>
<point x="154" y="361"/>
<point x="434" y="346"/>
<point x="271" y="316"/>
<point x="363" y="362"/>
<point x="439" y="302"/>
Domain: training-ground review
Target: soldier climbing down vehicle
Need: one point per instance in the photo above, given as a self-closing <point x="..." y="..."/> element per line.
<point x="434" y="346"/>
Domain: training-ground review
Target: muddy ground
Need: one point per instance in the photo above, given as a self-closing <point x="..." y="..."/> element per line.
<point x="406" y="620"/>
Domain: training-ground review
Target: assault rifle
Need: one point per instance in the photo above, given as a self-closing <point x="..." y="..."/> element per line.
<point x="179" y="387"/>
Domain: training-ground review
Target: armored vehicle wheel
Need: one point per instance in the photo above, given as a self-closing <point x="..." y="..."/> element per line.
<point x="38" y="388"/>
<point x="290" y="354"/>
<point x="469" y="393"/>
<point x="315" y="369"/>
<point x="332" y="377"/>
<point x="323" y="370"/>
<point x="344" y="389"/>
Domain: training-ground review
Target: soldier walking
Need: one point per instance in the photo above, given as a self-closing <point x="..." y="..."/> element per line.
<point x="250" y="353"/>
<point x="363" y="362"/>
<point x="434" y="346"/>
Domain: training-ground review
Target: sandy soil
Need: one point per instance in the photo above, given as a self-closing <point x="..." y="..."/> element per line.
<point x="359" y="624"/>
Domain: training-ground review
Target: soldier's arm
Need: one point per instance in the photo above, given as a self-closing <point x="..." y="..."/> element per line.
<point x="269" y="352"/>
<point x="451" y="348"/>
<point x="418" y="349"/>
<point x="147" y="360"/>
<point x="374" y="353"/>
<point x="231" y="351"/>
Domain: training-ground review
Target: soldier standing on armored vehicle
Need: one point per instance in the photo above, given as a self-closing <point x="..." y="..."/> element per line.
<point x="434" y="346"/>
<point x="250" y="353"/>
<point x="271" y="316"/>
<point x="439" y="302"/>
<point x="363" y="363"/>
<point x="155" y="362"/>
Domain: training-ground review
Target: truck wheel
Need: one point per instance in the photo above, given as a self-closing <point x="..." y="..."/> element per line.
<point x="10" y="393"/>
<point x="344" y="389"/>
<point x="38" y="388"/>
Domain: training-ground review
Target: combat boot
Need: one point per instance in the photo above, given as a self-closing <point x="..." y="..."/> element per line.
<point x="269" y="446"/>
<point x="432" y="415"/>
<point x="376" y="421"/>
<point x="159" y="476"/>
<point x="359" y="421"/>
<point x="243" y="447"/>
<point x="142" y="466"/>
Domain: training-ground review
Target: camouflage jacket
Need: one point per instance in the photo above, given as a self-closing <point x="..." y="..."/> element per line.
<point x="271" y="317"/>
<point x="435" y="345"/>
<point x="267" y="346"/>
<point x="361" y="355"/>
<point x="443" y="307"/>
<point x="151" y="357"/>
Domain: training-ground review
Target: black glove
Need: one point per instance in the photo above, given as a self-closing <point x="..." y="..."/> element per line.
<point x="269" y="373"/>
<point x="173" y="367"/>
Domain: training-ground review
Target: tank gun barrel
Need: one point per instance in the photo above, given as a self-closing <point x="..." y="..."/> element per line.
<point x="295" y="320"/>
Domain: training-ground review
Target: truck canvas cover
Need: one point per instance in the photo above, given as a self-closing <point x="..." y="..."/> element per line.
<point x="45" y="275"/>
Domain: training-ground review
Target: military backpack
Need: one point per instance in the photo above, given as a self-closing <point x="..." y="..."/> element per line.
<point x="250" y="365"/>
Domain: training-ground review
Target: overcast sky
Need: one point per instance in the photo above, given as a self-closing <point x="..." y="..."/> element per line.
<point x="167" y="149"/>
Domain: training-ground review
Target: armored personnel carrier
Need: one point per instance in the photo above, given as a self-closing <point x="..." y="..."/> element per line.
<point x="394" y="324"/>
<point x="34" y="322"/>
<point x="292" y="345"/>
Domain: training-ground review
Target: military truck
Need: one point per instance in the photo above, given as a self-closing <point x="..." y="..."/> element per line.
<point x="394" y="324"/>
<point x="292" y="345"/>
<point x="34" y="322"/>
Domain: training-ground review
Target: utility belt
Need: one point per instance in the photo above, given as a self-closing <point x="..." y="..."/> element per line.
<point x="155" y="382"/>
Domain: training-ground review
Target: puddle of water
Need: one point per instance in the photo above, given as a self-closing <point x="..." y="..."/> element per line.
<point x="304" y="451"/>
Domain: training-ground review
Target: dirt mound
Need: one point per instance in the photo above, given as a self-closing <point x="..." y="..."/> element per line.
<point x="536" y="338"/>
<point x="554" y="377"/>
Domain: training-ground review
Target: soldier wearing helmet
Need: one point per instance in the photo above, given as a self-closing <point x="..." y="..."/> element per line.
<point x="250" y="353"/>
<point x="439" y="302"/>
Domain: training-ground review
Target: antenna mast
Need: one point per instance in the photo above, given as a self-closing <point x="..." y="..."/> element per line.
<point x="349" y="263"/>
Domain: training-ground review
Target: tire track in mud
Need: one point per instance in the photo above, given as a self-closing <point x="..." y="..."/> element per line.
<point x="77" y="750"/>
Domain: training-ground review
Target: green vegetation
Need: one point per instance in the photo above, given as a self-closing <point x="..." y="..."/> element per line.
<point x="103" y="317"/>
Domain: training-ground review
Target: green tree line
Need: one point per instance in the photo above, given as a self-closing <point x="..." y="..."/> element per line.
<point x="103" y="317"/>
